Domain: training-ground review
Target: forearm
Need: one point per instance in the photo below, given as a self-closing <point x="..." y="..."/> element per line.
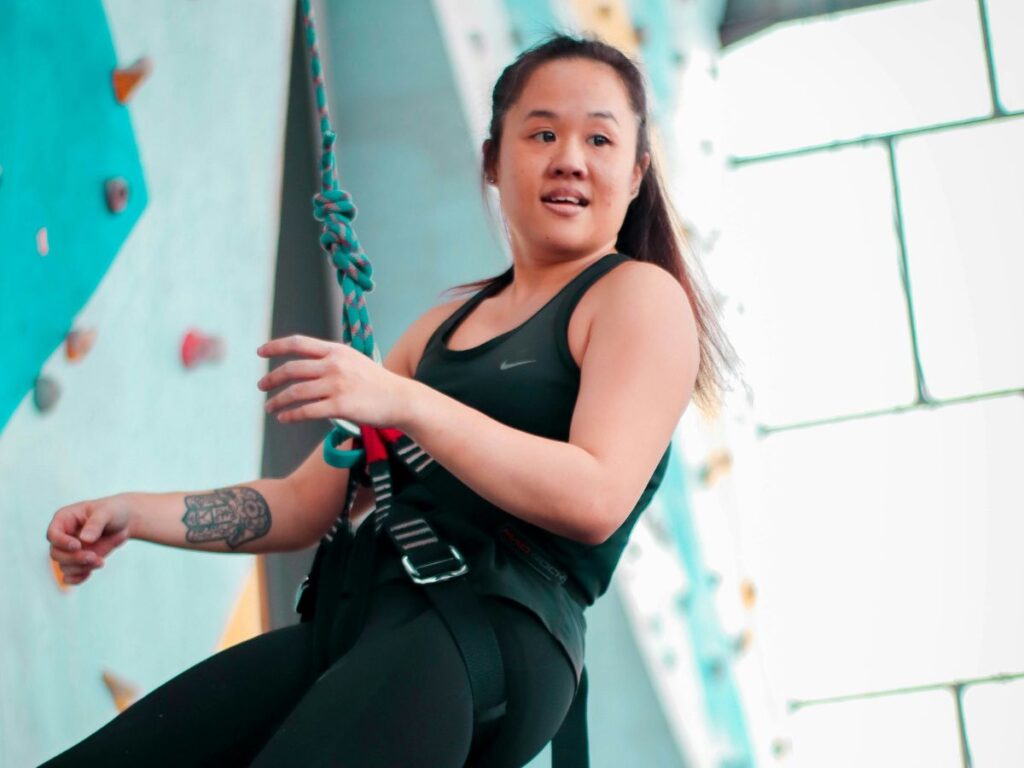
<point x="255" y="517"/>
<point x="549" y="483"/>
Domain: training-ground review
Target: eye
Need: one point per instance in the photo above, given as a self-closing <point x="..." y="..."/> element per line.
<point x="605" y="139"/>
<point x="544" y="133"/>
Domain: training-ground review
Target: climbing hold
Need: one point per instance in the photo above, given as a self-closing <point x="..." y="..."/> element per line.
<point x="717" y="464"/>
<point x="683" y="600"/>
<point x="742" y="641"/>
<point x="116" y="191"/>
<point x="58" y="575"/>
<point x="42" y="241"/>
<point x="45" y="393"/>
<point x="124" y="693"/>
<point x="127" y="79"/>
<point x="78" y="343"/>
<point x="781" y="747"/>
<point x="748" y="593"/>
<point x="197" y="348"/>
<point x="715" y="667"/>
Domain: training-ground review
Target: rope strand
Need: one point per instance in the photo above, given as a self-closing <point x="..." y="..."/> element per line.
<point x="333" y="207"/>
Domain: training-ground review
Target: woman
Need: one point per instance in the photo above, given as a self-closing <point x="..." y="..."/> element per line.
<point x="549" y="398"/>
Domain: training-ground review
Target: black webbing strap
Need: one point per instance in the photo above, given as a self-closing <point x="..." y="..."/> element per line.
<point x="570" y="747"/>
<point x="426" y="557"/>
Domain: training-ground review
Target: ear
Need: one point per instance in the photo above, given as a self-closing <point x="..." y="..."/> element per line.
<point x="639" y="171"/>
<point x="490" y="172"/>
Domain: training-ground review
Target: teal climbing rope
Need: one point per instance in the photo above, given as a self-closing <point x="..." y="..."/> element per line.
<point x="333" y="207"/>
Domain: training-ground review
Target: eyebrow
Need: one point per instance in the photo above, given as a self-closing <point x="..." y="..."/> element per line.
<point x="552" y="116"/>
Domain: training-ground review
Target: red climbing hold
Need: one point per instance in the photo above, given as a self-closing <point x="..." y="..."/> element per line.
<point x="78" y="343"/>
<point x="127" y="79"/>
<point x="197" y="348"/>
<point x="42" y="242"/>
<point x="116" y="192"/>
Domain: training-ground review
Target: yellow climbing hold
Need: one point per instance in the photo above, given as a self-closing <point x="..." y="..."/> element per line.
<point x="124" y="693"/>
<point x="246" y="619"/>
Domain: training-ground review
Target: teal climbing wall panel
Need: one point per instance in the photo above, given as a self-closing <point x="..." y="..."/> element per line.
<point x="62" y="135"/>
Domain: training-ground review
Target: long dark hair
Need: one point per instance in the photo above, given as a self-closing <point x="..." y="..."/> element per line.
<point x="651" y="230"/>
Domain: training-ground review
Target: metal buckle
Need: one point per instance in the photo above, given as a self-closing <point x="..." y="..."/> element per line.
<point x="299" y="592"/>
<point x="414" y="573"/>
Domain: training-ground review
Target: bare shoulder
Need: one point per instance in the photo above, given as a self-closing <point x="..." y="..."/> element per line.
<point x="639" y="279"/>
<point x="642" y="290"/>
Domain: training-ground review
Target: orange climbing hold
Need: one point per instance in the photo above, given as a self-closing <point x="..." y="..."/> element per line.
<point x="78" y="343"/>
<point x="124" y="693"/>
<point x="198" y="348"/>
<point x="127" y="79"/>
<point x="58" y="575"/>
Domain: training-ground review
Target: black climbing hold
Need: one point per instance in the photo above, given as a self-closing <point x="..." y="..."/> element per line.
<point x="45" y="393"/>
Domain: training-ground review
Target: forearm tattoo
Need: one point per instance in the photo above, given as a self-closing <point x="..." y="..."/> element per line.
<point x="237" y="515"/>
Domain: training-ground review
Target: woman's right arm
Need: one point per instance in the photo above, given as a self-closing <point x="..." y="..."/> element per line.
<point x="266" y="515"/>
<point x="258" y="517"/>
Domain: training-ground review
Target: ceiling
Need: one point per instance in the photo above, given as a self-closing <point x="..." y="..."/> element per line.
<point x="743" y="18"/>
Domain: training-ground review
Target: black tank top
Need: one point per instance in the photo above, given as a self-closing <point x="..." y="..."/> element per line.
<point x="526" y="378"/>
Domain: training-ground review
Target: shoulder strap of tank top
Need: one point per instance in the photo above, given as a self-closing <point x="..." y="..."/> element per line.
<point x="455" y="316"/>
<point x="582" y="282"/>
<point x="567" y="299"/>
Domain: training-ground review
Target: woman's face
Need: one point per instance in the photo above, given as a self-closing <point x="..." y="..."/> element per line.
<point x="571" y="134"/>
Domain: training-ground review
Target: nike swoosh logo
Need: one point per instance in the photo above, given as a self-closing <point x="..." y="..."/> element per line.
<point x="505" y="365"/>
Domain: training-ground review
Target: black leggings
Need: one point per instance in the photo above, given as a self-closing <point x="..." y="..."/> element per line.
<point x="399" y="697"/>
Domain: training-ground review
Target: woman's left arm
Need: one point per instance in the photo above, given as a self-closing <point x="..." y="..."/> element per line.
<point x="636" y="378"/>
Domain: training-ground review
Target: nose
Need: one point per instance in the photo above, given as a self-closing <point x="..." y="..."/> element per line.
<point x="568" y="161"/>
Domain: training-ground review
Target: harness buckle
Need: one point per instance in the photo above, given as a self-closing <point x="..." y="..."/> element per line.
<point x="416" y="575"/>
<point x="300" y="591"/>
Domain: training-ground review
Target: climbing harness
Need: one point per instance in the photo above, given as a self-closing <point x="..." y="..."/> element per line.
<point x="429" y="561"/>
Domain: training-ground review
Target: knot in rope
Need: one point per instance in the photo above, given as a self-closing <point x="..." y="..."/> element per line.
<point x="335" y="209"/>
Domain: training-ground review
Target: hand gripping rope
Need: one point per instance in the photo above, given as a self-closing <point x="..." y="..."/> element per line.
<point x="426" y="558"/>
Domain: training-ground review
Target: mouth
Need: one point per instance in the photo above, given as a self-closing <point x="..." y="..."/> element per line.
<point x="565" y="202"/>
<point x="575" y="201"/>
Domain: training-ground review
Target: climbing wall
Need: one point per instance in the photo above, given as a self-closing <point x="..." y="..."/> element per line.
<point x="140" y="147"/>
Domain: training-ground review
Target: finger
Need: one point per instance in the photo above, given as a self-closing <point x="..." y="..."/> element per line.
<point x="301" y="392"/>
<point x="296" y="344"/>
<point x="293" y="369"/>
<point x="66" y="520"/>
<point x="321" y="409"/>
<point x="93" y="527"/>
<point x="85" y="557"/>
<point x="105" y="545"/>
<point x="79" y="568"/>
<point x="61" y="539"/>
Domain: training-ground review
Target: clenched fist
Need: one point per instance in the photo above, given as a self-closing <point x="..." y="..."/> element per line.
<point x="81" y="535"/>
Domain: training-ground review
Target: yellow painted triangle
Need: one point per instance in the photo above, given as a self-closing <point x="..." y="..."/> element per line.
<point x="610" y="20"/>
<point x="246" y="619"/>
